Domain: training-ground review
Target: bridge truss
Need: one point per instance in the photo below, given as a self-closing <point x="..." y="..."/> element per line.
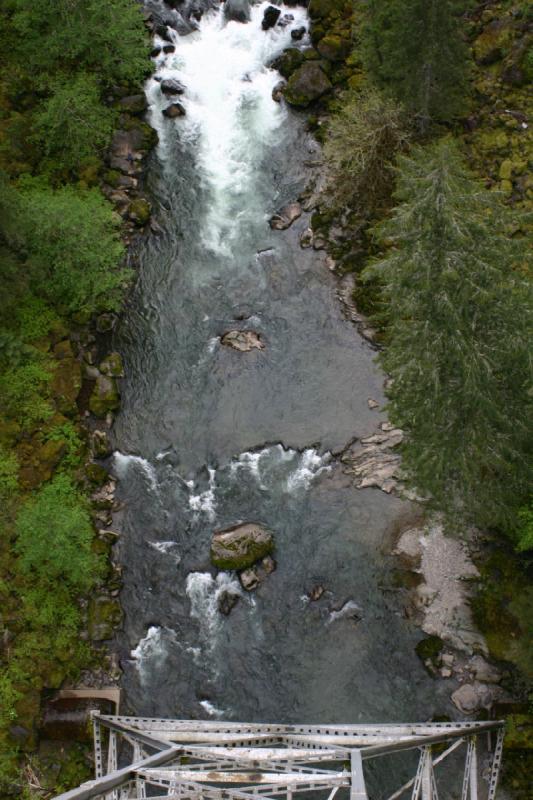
<point x="206" y="760"/>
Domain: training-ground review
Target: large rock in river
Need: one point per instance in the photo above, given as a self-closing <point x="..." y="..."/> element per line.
<point x="244" y="341"/>
<point x="237" y="10"/>
<point x="308" y="83"/>
<point x="241" y="546"/>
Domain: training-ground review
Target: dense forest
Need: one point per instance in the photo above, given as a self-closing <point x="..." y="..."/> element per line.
<point x="423" y="123"/>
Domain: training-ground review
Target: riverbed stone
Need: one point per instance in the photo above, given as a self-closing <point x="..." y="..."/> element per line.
<point x="289" y="61"/>
<point x="104" y="615"/>
<point x="112" y="365"/>
<point x="249" y="579"/>
<point x="307" y="84"/>
<point x="284" y="218"/>
<point x="174" y="110"/>
<point x="105" y="396"/>
<point x="243" y="341"/>
<point x="237" y="10"/>
<point x="270" y="17"/>
<point x="226" y="602"/>
<point x="333" y="47"/>
<point x="472" y="697"/>
<point x="241" y="546"/>
<point x="140" y="211"/>
<point x="172" y="86"/>
<point x="134" y="104"/>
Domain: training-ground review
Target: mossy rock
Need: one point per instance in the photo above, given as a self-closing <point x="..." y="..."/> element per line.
<point x="334" y="48"/>
<point x="39" y="460"/>
<point x="133" y="104"/>
<point x="320" y="9"/>
<point x="105" y="396"/>
<point x="105" y="614"/>
<point x="139" y="211"/>
<point x="289" y="61"/>
<point x="112" y="365"/>
<point x="147" y="137"/>
<point x="239" y="547"/>
<point x="66" y="382"/>
<point x="96" y="473"/>
<point x="307" y="84"/>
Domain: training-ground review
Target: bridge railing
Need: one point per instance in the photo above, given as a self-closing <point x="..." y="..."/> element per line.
<point x="208" y="760"/>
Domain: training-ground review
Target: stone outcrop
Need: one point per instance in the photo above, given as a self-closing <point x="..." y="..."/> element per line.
<point x="241" y="546"/>
<point x="243" y="341"/>
<point x="284" y="218"/>
<point x="307" y="84"/>
<point x="171" y="86"/>
<point x="174" y="110"/>
<point x="237" y="10"/>
<point x="270" y="17"/>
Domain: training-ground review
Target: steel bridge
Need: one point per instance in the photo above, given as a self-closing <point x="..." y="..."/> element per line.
<point x="205" y="760"/>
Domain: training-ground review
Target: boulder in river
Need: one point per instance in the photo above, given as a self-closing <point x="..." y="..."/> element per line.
<point x="307" y="84"/>
<point x="237" y="10"/>
<point x="298" y="33"/>
<point x="172" y="86"/>
<point x="249" y="579"/>
<point x="241" y="546"/>
<point x="270" y="17"/>
<point x="284" y="218"/>
<point x="226" y="601"/>
<point x="169" y="48"/>
<point x="277" y="91"/>
<point x="244" y="341"/>
<point x="174" y="110"/>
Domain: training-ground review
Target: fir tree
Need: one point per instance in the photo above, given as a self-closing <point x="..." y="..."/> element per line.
<point x="415" y="51"/>
<point x="460" y="326"/>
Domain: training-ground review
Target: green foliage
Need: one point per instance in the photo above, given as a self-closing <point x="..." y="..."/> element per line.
<point x="23" y="391"/>
<point x="9" y="468"/>
<point x="73" y="247"/>
<point x="108" y="38"/>
<point x="524" y="533"/>
<point x="365" y="135"/>
<point x="67" y="433"/>
<point x="414" y="50"/>
<point x="73" y="125"/>
<point x="54" y="537"/>
<point x="459" y="338"/>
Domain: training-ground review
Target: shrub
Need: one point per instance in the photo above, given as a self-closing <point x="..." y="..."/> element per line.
<point x="364" y="138"/>
<point x="54" y="535"/>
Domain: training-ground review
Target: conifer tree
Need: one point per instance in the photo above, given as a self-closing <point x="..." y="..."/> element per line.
<point x="415" y="51"/>
<point x="460" y="339"/>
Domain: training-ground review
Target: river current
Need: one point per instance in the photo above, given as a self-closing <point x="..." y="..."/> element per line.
<point x="208" y="436"/>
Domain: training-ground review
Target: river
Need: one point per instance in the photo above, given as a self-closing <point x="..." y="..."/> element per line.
<point x="208" y="436"/>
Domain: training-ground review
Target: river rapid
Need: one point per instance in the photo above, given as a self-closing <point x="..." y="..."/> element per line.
<point x="208" y="436"/>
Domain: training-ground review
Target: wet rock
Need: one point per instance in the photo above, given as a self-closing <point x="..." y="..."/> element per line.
<point x="104" y="615"/>
<point x="289" y="61"/>
<point x="226" y="601"/>
<point x="270" y="17"/>
<point x="249" y="579"/>
<point x="298" y="33"/>
<point x="112" y="365"/>
<point x="237" y="10"/>
<point x="169" y="48"/>
<point x="372" y="403"/>
<point x="268" y="565"/>
<point x="100" y="444"/>
<point x="134" y="104"/>
<point x="307" y="84"/>
<point x="334" y="48"/>
<point x="106" y="322"/>
<point x="241" y="546"/>
<point x="105" y="396"/>
<point x="373" y="462"/>
<point x="483" y="671"/>
<point x="154" y="52"/>
<point x="162" y="31"/>
<point x="316" y="592"/>
<point x="172" y="86"/>
<point x="139" y="212"/>
<point x="96" y="473"/>
<point x="244" y="341"/>
<point x="277" y="91"/>
<point x="174" y="110"/>
<point x="285" y="20"/>
<point x="306" y="239"/>
<point x="473" y="697"/>
<point x="284" y="218"/>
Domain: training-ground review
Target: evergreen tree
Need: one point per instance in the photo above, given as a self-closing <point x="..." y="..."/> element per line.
<point x="460" y="326"/>
<point x="414" y="50"/>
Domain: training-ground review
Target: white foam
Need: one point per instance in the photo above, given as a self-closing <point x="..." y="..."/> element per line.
<point x="310" y="466"/>
<point x="204" y="502"/>
<point x="212" y="710"/>
<point x="204" y="591"/>
<point x="151" y="652"/>
<point x="349" y="609"/>
<point x="122" y="462"/>
<point x="165" y="548"/>
<point x="230" y="115"/>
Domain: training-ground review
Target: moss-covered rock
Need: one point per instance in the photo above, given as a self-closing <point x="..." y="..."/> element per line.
<point x="139" y="211"/>
<point x="105" y="396"/>
<point x="428" y="650"/>
<point x="66" y="384"/>
<point x="39" y="460"/>
<point x="307" y="84"/>
<point x="493" y="43"/>
<point x="334" y="47"/>
<point x="96" y="473"/>
<point x="112" y="365"/>
<point x="133" y="104"/>
<point x="241" y="546"/>
<point x="105" y="614"/>
<point x="289" y="61"/>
